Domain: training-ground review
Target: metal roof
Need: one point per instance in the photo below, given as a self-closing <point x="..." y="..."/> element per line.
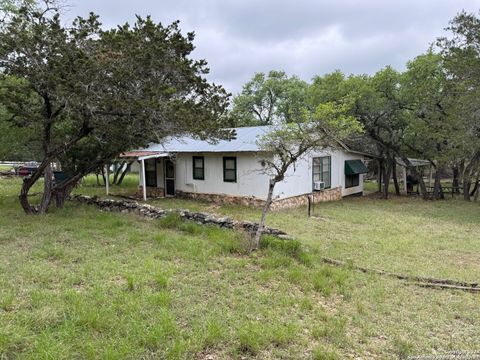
<point x="135" y="154"/>
<point x="245" y="141"/>
<point x="414" y="162"/>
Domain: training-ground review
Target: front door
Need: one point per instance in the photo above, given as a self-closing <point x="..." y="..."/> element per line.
<point x="169" y="178"/>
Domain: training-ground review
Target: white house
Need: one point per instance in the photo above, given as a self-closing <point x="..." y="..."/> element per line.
<point x="232" y="171"/>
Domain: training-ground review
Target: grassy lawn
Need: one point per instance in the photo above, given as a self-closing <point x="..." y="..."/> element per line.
<point x="404" y="234"/>
<point x="79" y="283"/>
<point x="5" y="167"/>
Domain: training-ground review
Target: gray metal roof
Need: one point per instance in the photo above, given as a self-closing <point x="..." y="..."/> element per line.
<point x="245" y="141"/>
<point x="414" y="162"/>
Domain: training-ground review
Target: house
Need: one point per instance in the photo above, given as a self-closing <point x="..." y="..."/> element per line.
<point x="231" y="171"/>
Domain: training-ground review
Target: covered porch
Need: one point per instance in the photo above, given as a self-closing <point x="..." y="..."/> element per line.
<point x="156" y="173"/>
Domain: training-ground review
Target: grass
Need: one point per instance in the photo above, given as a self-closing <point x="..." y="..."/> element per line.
<point x="79" y="283"/>
<point x="404" y="234"/>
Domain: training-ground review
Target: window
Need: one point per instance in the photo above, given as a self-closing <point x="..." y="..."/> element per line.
<point x="198" y="168"/>
<point x="352" y="180"/>
<point x="151" y="173"/>
<point x="230" y="169"/>
<point x="322" y="170"/>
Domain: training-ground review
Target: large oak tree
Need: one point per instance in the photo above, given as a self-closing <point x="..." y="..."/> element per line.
<point x="90" y="94"/>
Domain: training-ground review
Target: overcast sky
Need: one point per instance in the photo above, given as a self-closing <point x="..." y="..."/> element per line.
<point x="302" y="37"/>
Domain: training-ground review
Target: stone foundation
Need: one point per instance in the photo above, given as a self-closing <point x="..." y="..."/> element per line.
<point x="287" y="203"/>
<point x="302" y="200"/>
<point x="223" y="198"/>
<point x="152" y="192"/>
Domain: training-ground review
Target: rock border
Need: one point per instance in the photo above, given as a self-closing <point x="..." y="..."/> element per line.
<point x="152" y="212"/>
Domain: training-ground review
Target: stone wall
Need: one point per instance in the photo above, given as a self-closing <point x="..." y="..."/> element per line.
<point x="152" y="192"/>
<point x="152" y="212"/>
<point x="223" y="198"/>
<point x="287" y="203"/>
<point x="302" y="200"/>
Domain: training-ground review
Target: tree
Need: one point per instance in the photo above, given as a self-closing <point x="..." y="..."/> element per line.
<point x="18" y="144"/>
<point x="433" y="130"/>
<point x="375" y="101"/>
<point x="269" y="99"/>
<point x="288" y="142"/>
<point x="461" y="56"/>
<point x="88" y="95"/>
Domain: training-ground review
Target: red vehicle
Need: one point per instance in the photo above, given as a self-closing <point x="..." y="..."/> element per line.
<point x="27" y="169"/>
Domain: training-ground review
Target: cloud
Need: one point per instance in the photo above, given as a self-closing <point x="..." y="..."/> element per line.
<point x="303" y="37"/>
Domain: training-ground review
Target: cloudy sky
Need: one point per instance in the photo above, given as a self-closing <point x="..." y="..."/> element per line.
<point x="302" y="37"/>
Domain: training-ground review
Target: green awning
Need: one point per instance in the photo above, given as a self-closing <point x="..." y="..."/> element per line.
<point x="354" y="167"/>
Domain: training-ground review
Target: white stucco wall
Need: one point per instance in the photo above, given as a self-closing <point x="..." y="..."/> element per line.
<point x="250" y="179"/>
<point x="298" y="180"/>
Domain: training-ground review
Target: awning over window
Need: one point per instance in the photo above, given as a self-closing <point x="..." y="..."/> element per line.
<point x="354" y="167"/>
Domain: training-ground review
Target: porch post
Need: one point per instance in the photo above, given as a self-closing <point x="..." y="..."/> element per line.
<point x="107" y="179"/>
<point x="144" y="182"/>
<point x="405" y="188"/>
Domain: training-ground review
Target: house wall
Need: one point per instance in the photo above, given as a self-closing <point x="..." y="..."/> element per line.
<point x="299" y="177"/>
<point x="250" y="182"/>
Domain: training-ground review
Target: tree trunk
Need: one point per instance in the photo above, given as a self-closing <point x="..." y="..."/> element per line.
<point x="467" y="183"/>
<point x="456" y="178"/>
<point x="475" y="188"/>
<point x="395" y="179"/>
<point x="386" y="180"/>
<point x="104" y="177"/>
<point x="266" y="207"/>
<point x="61" y="194"/>
<point x="47" y="190"/>
<point x="478" y="187"/>
<point x="125" y="172"/>
<point x="437" y="188"/>
<point x="117" y="171"/>
<point x="23" y="197"/>
<point x="27" y="185"/>
<point x="468" y="174"/>
<point x="379" y="175"/>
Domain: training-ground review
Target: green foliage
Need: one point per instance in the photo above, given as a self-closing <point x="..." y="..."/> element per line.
<point x="87" y="94"/>
<point x="270" y="99"/>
